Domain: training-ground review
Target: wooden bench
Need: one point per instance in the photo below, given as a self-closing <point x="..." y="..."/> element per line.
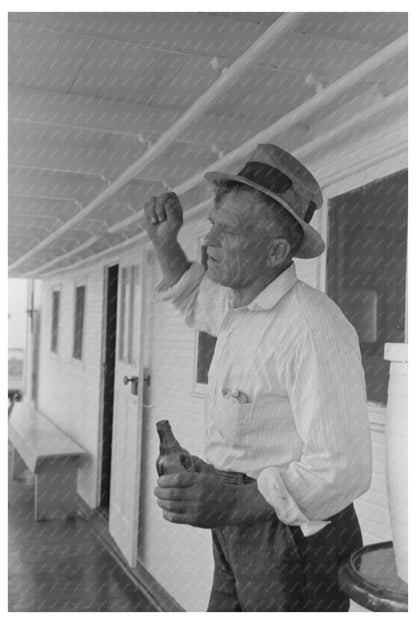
<point x="51" y="455"/>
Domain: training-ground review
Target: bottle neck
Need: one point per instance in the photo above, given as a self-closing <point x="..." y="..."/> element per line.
<point x="168" y="442"/>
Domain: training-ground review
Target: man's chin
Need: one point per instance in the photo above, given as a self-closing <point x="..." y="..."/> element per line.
<point x="214" y="275"/>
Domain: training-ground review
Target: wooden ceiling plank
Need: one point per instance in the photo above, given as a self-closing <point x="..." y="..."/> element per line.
<point x="377" y="107"/>
<point x="321" y="98"/>
<point x="67" y="62"/>
<point x="90" y="241"/>
<point x="57" y="186"/>
<point x="303" y="151"/>
<point x="106" y="164"/>
<point x="317" y="140"/>
<point x="31" y="61"/>
<point x="141" y="75"/>
<point x="79" y="112"/>
<point x="102" y="60"/>
<point x="118" y="247"/>
<point x="247" y="60"/>
<point x="168" y="31"/>
<point x="326" y="58"/>
<point x="46" y="186"/>
<point x="16" y="45"/>
<point x="389" y="102"/>
<point x="207" y="35"/>
<point x="377" y="28"/>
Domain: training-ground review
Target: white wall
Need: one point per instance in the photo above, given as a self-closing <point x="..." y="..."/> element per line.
<point x="69" y="390"/>
<point x="178" y="556"/>
<point x="17" y="306"/>
<point x="371" y="507"/>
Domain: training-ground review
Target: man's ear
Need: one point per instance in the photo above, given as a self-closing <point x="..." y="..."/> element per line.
<point x="278" y="252"/>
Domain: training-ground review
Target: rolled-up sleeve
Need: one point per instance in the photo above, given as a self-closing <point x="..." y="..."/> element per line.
<point x="327" y="393"/>
<point x="201" y="301"/>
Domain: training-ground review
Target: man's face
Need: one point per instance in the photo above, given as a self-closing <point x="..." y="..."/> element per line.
<point x="235" y="245"/>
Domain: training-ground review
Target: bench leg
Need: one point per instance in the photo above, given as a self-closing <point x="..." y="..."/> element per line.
<point x="17" y="465"/>
<point x="56" y="489"/>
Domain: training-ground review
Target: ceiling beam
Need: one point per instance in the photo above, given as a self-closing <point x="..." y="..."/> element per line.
<point x="70" y="159"/>
<point x="222" y="85"/>
<point x="85" y="245"/>
<point x="40" y="271"/>
<point x="39" y="224"/>
<point x="57" y="186"/>
<point x="104" y="163"/>
<point x="51" y="205"/>
<point x="64" y="187"/>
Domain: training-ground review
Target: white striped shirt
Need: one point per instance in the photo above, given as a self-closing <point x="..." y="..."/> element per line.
<point x="286" y="397"/>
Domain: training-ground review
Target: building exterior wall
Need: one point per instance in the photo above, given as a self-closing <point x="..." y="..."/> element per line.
<point x="179" y="557"/>
<point x="383" y="160"/>
<point x="69" y="389"/>
<point x="173" y="397"/>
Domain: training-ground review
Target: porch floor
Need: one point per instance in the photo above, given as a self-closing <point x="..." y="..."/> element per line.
<point x="61" y="565"/>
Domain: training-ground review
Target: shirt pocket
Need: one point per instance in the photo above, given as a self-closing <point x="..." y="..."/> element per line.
<point x="233" y="421"/>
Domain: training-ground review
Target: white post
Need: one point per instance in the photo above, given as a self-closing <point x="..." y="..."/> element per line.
<point x="396" y="452"/>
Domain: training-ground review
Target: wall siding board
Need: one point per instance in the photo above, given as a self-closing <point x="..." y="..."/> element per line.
<point x="69" y="390"/>
<point x="172" y="370"/>
<point x="179" y="557"/>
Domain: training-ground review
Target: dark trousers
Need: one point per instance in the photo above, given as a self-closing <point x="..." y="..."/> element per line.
<point x="269" y="566"/>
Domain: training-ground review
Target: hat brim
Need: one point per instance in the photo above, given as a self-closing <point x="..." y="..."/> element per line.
<point x="312" y="243"/>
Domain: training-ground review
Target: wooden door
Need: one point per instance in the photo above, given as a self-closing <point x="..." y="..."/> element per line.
<point x="128" y="407"/>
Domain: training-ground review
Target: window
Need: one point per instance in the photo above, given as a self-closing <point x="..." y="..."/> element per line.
<point x="129" y="306"/>
<point x="205" y="343"/>
<point x="55" y="320"/>
<point x="124" y="298"/>
<point x="79" y="321"/>
<point x="366" y="272"/>
<point x="205" y="346"/>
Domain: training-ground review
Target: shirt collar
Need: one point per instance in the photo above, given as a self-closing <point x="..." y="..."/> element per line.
<point x="273" y="293"/>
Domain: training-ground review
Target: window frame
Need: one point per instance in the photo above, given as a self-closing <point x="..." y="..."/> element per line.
<point x="199" y="389"/>
<point x="373" y="337"/>
<point x="127" y="315"/>
<point x="56" y="288"/>
<point x="75" y="358"/>
<point x="377" y="163"/>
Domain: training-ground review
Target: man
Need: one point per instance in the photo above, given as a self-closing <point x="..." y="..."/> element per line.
<point x="287" y="435"/>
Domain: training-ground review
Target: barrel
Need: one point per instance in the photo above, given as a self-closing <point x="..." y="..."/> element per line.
<point x="396" y="452"/>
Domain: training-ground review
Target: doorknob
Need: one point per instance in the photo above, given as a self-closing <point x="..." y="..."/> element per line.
<point x="126" y="379"/>
<point x="134" y="383"/>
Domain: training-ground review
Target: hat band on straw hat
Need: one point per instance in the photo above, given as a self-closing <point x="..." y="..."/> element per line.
<point x="267" y="176"/>
<point x="277" y="182"/>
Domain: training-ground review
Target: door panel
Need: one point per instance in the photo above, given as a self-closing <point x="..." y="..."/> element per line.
<point x="128" y="408"/>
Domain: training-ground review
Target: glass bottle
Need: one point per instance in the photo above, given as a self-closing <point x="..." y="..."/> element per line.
<point x="172" y="456"/>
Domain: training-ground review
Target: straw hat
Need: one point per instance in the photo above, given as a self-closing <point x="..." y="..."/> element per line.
<point x="278" y="174"/>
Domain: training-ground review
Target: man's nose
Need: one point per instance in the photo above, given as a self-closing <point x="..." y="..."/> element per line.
<point x="210" y="239"/>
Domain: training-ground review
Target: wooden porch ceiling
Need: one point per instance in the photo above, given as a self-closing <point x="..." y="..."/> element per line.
<point x="93" y="96"/>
